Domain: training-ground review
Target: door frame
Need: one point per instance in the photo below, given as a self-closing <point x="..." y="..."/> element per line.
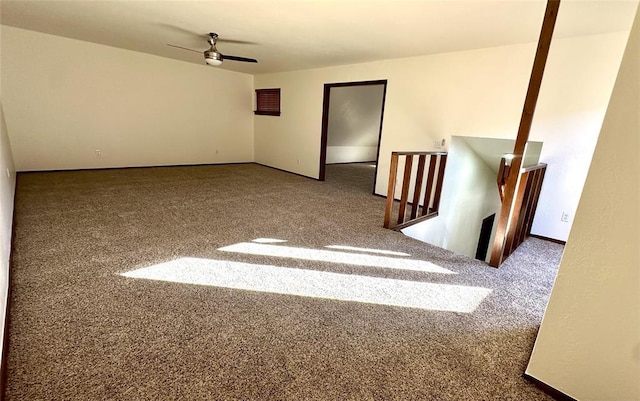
<point x="325" y="122"/>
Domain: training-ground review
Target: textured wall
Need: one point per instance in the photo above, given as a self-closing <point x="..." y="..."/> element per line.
<point x="589" y="342"/>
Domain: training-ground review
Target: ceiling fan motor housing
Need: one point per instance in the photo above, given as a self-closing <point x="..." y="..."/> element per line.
<point x="212" y="54"/>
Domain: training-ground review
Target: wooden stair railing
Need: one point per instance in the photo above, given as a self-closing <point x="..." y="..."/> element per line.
<point x="432" y="188"/>
<point x="524" y="207"/>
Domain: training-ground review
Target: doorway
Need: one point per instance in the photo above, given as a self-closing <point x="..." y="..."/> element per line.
<point x="352" y="118"/>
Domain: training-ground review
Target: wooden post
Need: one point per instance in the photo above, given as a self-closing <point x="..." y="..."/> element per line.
<point x="544" y="43"/>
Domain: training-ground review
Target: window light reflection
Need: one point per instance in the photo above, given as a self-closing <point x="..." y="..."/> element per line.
<point x="268" y="240"/>
<point x="316" y="284"/>
<point x="370" y="250"/>
<point x="335" y="257"/>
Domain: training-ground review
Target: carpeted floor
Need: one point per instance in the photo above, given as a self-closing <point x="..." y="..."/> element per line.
<point x="81" y="330"/>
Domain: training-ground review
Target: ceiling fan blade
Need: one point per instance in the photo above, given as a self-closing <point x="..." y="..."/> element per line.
<point x="204" y="36"/>
<point x="237" y="42"/>
<point x="179" y="29"/>
<point x="237" y="58"/>
<point x="186" y="48"/>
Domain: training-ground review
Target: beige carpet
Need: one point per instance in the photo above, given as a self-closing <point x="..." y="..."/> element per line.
<point x="166" y="284"/>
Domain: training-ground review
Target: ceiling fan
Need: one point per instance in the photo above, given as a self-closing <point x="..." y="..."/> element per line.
<point x="212" y="56"/>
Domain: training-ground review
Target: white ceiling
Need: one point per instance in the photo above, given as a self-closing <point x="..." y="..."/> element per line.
<point x="302" y="34"/>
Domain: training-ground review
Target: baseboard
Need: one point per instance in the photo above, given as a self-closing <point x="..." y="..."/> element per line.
<point x="131" y="167"/>
<point x="557" y="241"/>
<point x="5" y="340"/>
<point x="286" y="171"/>
<point x="7" y="315"/>
<point x="166" y="165"/>
<point x="364" y="162"/>
<point x="555" y="393"/>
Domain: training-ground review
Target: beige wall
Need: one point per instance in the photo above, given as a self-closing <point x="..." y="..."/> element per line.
<point x="7" y="189"/>
<point x="91" y="97"/>
<point x="589" y="342"/>
<point x="476" y="93"/>
<point x="422" y="94"/>
<point x="64" y="99"/>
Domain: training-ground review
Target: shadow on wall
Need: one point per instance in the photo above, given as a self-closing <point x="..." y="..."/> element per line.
<point x="469" y="194"/>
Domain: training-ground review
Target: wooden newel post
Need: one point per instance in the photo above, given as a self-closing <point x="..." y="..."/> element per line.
<point x="544" y="43"/>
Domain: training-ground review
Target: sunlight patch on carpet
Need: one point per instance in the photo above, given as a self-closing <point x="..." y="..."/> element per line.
<point x="268" y="240"/>
<point x="335" y="257"/>
<point x="316" y="284"/>
<point x="370" y="250"/>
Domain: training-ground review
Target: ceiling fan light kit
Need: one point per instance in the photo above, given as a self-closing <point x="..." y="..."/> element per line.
<point x="212" y="58"/>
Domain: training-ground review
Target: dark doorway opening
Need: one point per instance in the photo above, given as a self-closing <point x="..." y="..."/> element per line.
<point x="326" y="123"/>
<point x="485" y="237"/>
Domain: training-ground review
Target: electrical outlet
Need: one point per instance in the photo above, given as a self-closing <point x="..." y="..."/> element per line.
<point x="439" y="143"/>
<point x="565" y="217"/>
<point x="98" y="153"/>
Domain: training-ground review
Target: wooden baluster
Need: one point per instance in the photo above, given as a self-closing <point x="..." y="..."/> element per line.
<point x="429" y="187"/>
<point x="406" y="181"/>
<point x="526" y="205"/>
<point x="515" y="218"/>
<point x="391" y="189"/>
<point x="441" y="167"/>
<point x="539" y="177"/>
<point x="418" y="186"/>
<point x="528" y="214"/>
